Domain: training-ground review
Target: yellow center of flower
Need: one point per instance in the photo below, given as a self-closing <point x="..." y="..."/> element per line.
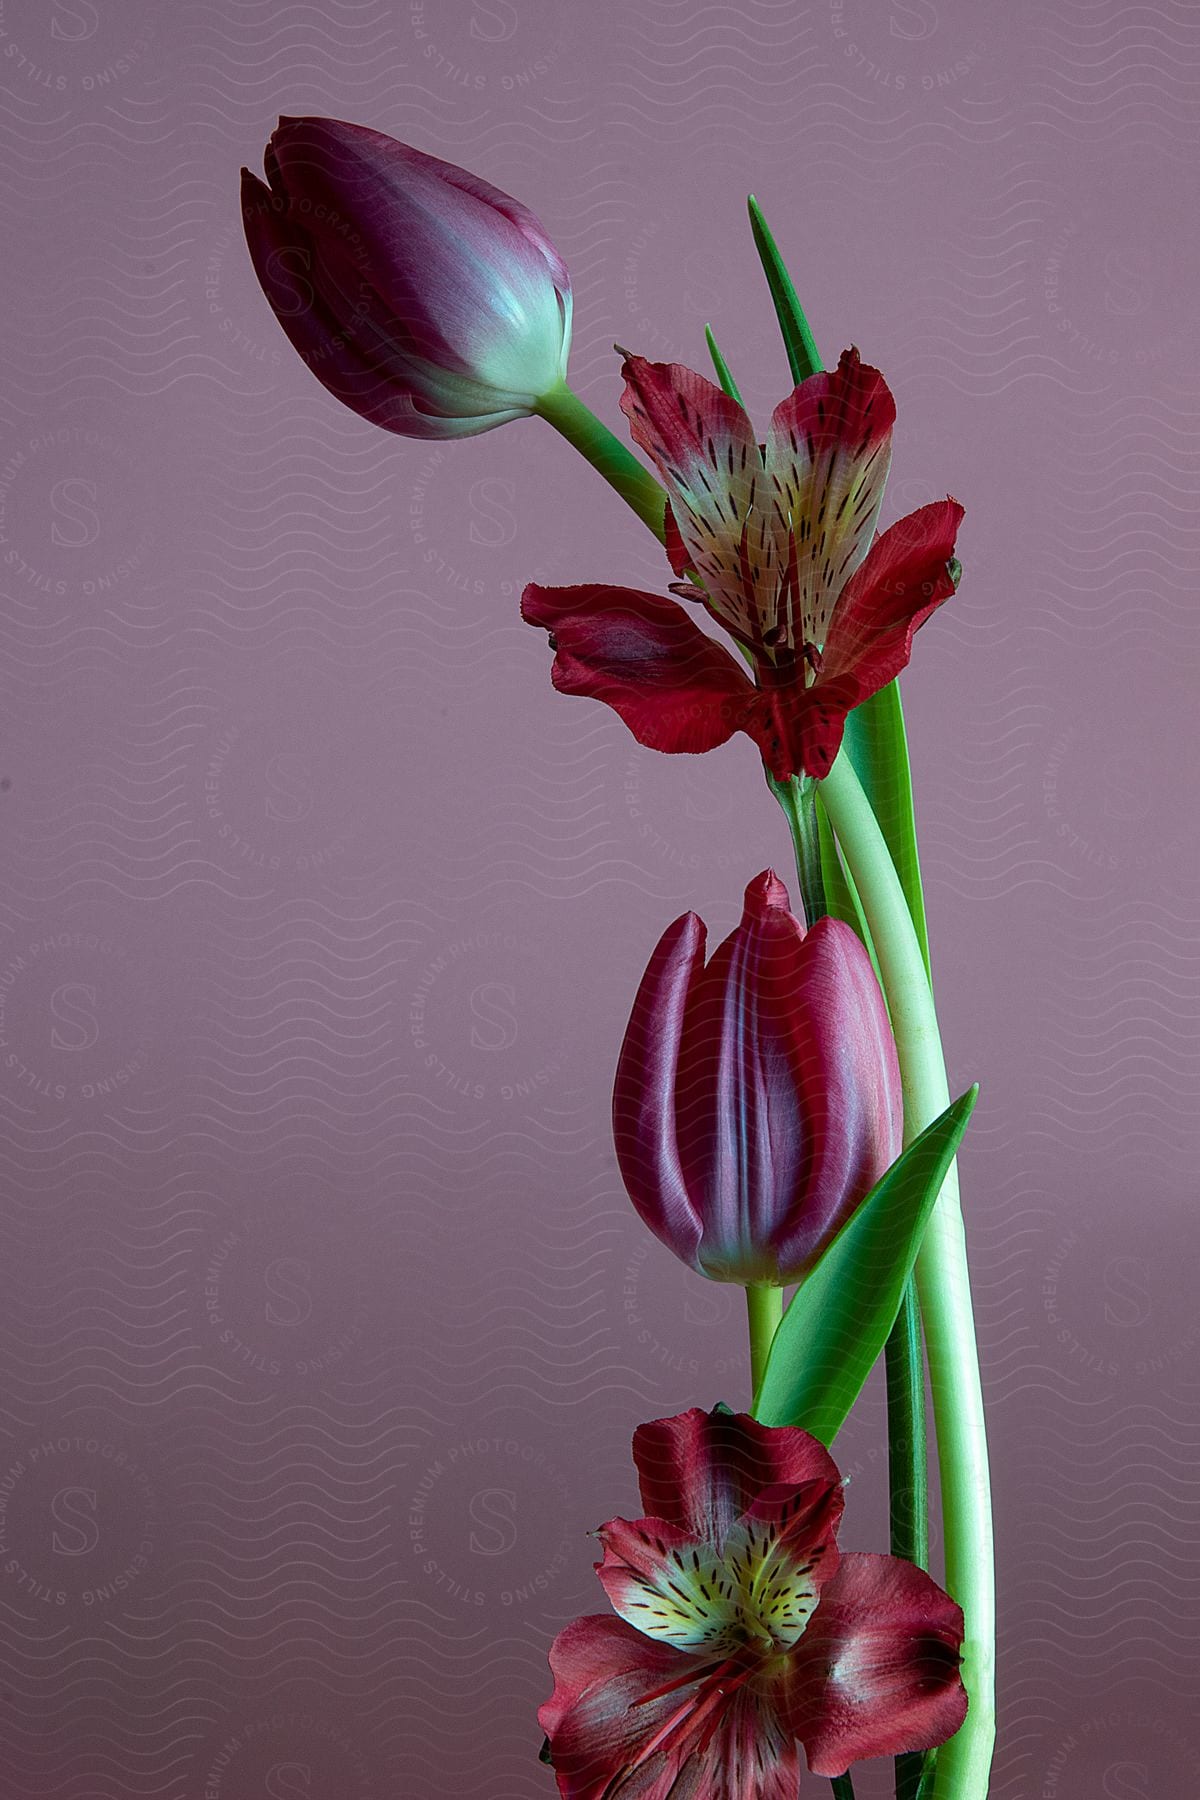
<point x="752" y="1594"/>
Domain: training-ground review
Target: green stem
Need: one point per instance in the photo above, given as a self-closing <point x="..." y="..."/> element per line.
<point x="943" y="1284"/>
<point x="764" y="1307"/>
<point x="908" y="1483"/>
<point x="798" y="799"/>
<point x="906" y="1434"/>
<point x="843" y="1787"/>
<point x="606" y="453"/>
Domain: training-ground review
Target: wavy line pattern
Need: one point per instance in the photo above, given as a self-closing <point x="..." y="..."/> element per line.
<point x="326" y="1320"/>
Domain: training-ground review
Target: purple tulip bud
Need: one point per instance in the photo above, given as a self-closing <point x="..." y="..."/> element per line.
<point x="757" y="1100"/>
<point x="425" y="299"/>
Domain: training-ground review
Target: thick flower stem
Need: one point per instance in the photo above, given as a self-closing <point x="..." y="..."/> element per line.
<point x="764" y="1306"/>
<point x="943" y="1284"/>
<point x="606" y="453"/>
<point x="799" y="802"/>
<point x="843" y="1787"/>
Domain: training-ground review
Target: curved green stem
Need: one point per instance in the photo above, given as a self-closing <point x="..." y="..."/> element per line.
<point x="607" y="454"/>
<point x="764" y="1307"/>
<point x="943" y="1284"/>
<point x="906" y="1434"/>
<point x="908" y="1478"/>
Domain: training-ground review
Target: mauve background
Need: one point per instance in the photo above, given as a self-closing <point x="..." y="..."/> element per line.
<point x="326" y="1323"/>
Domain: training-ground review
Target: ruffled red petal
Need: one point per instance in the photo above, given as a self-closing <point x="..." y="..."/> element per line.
<point x="704" y="1470"/>
<point x="678" y="554"/>
<point x="876" y="1672"/>
<point x="906" y="576"/>
<point x="675" y="688"/>
<point x="602" y="1669"/>
<point x="704" y="447"/>
<point x="706" y="1737"/>
<point x="828" y="450"/>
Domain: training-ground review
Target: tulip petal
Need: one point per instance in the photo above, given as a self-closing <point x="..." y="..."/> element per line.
<point x="311" y="296"/>
<point x="675" y="688"/>
<point x="703" y="1471"/>
<point x="828" y="450"/>
<point x="739" y="1129"/>
<point x="468" y="288"/>
<point x="705" y="450"/>
<point x="644" y="1091"/>
<point x="876" y="1672"/>
<point x="786" y="1090"/>
<point x="614" y="1731"/>
<point x="843" y="1061"/>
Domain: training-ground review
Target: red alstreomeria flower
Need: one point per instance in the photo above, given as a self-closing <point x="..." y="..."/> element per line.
<point x="744" y="1631"/>
<point x="779" y="537"/>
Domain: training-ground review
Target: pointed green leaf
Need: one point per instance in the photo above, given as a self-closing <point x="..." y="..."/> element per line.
<point x="804" y="359"/>
<point x="839" y="1319"/>
<point x="728" y="384"/>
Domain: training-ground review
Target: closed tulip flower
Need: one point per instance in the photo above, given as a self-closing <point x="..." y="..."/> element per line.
<point x="424" y="298"/>
<point x="757" y="1098"/>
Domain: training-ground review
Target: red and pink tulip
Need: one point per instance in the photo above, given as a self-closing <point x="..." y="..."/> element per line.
<point x="777" y="541"/>
<point x="743" y="1631"/>
<point x="424" y="298"/>
<point x="757" y="1098"/>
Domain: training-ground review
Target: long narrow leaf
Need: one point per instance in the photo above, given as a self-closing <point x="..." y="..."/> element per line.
<point x="839" y="1319"/>
<point x="804" y="359"/>
<point x="728" y="384"/>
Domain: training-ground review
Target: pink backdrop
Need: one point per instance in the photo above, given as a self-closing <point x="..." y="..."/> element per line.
<point x="326" y="1322"/>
